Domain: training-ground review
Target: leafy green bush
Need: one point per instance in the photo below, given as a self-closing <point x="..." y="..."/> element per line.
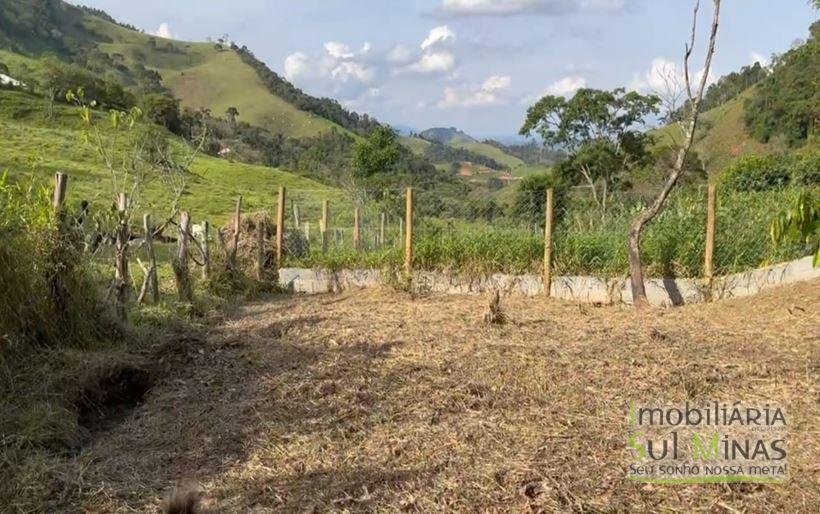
<point x="757" y="173"/>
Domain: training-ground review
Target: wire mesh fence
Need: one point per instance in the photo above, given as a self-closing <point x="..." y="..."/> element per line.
<point x="468" y="234"/>
<point x="506" y="234"/>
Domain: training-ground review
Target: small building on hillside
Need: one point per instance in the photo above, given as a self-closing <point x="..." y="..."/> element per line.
<point x="5" y="80"/>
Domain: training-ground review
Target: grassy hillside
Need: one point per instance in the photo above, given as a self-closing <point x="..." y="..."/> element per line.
<point x="223" y="81"/>
<point x="416" y="145"/>
<point x="722" y="137"/>
<point x="34" y="148"/>
<point x="199" y="74"/>
<point x="490" y="151"/>
<point x="203" y="75"/>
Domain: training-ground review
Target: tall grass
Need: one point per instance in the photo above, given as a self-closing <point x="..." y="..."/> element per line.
<point x="47" y="293"/>
<point x="586" y="243"/>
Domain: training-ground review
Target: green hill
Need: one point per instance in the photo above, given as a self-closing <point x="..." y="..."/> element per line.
<point x="212" y="76"/>
<point x="761" y="111"/>
<point x="722" y="136"/>
<point x="446" y="135"/>
<point x="201" y="75"/>
<point x="416" y="145"/>
<point x="32" y="148"/>
<point x="490" y="151"/>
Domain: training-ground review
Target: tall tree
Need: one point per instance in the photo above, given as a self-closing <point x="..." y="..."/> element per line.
<point x="379" y="153"/>
<point x="601" y="131"/>
<point x="688" y="124"/>
<point x="232" y="113"/>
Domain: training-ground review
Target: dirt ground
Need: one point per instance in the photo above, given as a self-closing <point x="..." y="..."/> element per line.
<point x="376" y="401"/>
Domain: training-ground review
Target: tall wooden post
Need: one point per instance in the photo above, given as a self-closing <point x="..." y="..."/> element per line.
<point x="711" y="218"/>
<point x="151" y="280"/>
<point x="382" y="223"/>
<point x="122" y="280"/>
<point x="183" y="280"/>
<point x="206" y="250"/>
<point x="357" y="237"/>
<point x="59" y="291"/>
<point x="408" y="241"/>
<point x="60" y="185"/>
<point x="237" y="226"/>
<point x="260" y="250"/>
<point x="323" y="227"/>
<point x="280" y="227"/>
<point x="548" y="213"/>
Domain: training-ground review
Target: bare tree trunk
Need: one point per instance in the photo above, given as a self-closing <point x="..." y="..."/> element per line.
<point x="690" y="125"/>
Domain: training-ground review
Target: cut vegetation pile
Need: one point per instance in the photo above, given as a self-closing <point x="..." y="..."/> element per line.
<point x="375" y="401"/>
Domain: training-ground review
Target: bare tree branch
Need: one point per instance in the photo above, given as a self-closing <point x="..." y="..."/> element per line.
<point x="636" y="231"/>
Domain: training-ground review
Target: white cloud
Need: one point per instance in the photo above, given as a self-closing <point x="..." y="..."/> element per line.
<point x="164" y="30"/>
<point x="352" y="72"/>
<point x="338" y="50"/>
<point x="338" y="71"/>
<point x="466" y="8"/>
<point x="296" y="65"/>
<point x="438" y="35"/>
<point x="432" y="60"/>
<point x="666" y="78"/>
<point x="562" y="87"/>
<point x="755" y="57"/>
<point x="433" y="63"/>
<point x="567" y="86"/>
<point x="400" y="54"/>
<point x="491" y="92"/>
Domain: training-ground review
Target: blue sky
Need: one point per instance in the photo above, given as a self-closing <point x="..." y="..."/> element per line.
<point x="474" y="64"/>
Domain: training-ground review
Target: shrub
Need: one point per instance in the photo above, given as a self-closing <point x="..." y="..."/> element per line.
<point x="806" y="170"/>
<point x="757" y="173"/>
<point x="47" y="295"/>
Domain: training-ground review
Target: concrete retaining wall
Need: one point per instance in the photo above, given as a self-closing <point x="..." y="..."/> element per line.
<point x="660" y="292"/>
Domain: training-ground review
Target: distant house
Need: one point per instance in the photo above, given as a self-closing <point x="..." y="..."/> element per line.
<point x="9" y="81"/>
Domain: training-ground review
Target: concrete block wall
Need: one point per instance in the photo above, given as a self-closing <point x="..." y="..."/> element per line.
<point x="660" y="292"/>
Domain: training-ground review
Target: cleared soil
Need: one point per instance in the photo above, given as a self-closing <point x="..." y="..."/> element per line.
<point x="377" y="401"/>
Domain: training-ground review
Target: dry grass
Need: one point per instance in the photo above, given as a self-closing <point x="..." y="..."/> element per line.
<point x="377" y="401"/>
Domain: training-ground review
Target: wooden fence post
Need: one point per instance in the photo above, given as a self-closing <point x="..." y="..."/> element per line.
<point x="59" y="291"/>
<point x="237" y="226"/>
<point x="323" y="227"/>
<point x="297" y="220"/>
<point x="151" y="281"/>
<point x="408" y="241"/>
<point x="206" y="250"/>
<point x="181" y="262"/>
<point x="122" y="280"/>
<point x="280" y="227"/>
<point x="357" y="241"/>
<point x="711" y="218"/>
<point x="401" y="232"/>
<point x="548" y="213"/>
<point x="382" y="223"/>
<point x="260" y="250"/>
<point x="60" y="185"/>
